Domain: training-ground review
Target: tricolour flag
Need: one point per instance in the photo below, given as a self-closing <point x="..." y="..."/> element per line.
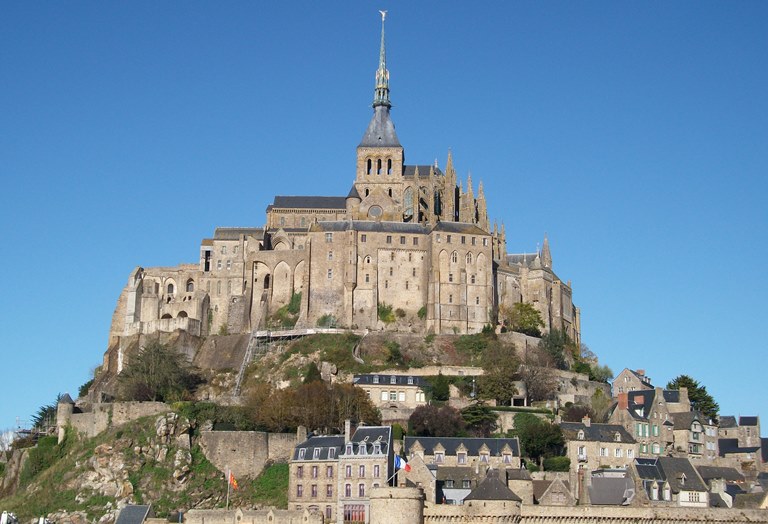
<point x="232" y="481"/>
<point x="400" y="463"/>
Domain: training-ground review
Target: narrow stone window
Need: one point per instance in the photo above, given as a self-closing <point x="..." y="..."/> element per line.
<point x="389" y="166"/>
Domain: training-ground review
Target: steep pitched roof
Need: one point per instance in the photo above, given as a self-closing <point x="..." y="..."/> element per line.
<point x="323" y="443"/>
<point x="747" y="421"/>
<point x="368" y="435"/>
<point x="611" y="491"/>
<point x="596" y="432"/>
<point x="684" y="419"/>
<point x="384" y="380"/>
<point x="472" y="444"/>
<point x="492" y="488"/>
<point x="728" y="421"/>
<point x="727" y="446"/>
<point x="134" y="514"/>
<point x="713" y="472"/>
<point x="764" y="448"/>
<point x="672" y="395"/>
<point x="309" y="202"/>
<point x="380" y="131"/>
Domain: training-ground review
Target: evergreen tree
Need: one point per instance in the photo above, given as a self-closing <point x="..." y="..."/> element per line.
<point x="697" y="394"/>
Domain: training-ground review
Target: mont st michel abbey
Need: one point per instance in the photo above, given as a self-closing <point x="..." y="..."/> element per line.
<point x="406" y="236"/>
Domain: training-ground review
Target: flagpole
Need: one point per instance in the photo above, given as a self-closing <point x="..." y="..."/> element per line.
<point x="227" y="481"/>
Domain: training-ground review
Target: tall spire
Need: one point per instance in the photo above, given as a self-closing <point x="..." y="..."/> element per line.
<point x="381" y="94"/>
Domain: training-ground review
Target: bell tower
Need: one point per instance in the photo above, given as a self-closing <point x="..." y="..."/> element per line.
<point x="380" y="156"/>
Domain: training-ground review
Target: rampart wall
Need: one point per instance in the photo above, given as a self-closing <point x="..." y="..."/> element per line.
<point x="105" y="415"/>
<point x="264" y="516"/>
<point x="246" y="453"/>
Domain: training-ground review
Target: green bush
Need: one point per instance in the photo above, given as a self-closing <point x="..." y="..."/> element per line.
<point x="429" y="338"/>
<point x="400" y="313"/>
<point x="326" y="321"/>
<point x="557" y="464"/>
<point x="422" y="313"/>
<point x="385" y="313"/>
<point x="294" y="304"/>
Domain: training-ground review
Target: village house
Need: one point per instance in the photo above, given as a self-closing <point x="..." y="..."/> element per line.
<point x="671" y="481"/>
<point x="592" y="446"/>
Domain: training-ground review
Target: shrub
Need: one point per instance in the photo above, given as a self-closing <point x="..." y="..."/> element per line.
<point x="294" y="304"/>
<point x="385" y="313"/>
<point x="557" y="464"/>
<point x="395" y="356"/>
<point x="326" y="321"/>
<point x="429" y="338"/>
<point x="400" y="313"/>
<point x="422" y="313"/>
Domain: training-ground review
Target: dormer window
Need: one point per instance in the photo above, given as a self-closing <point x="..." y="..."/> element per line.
<point x="580" y="435"/>
<point x="377" y="448"/>
<point x="362" y="449"/>
<point x="617" y="437"/>
<point x="393" y="379"/>
<point x="331" y="454"/>
<point x="439" y="457"/>
<point x="349" y="451"/>
<point x="375" y="379"/>
<point x="302" y="452"/>
<point x="461" y="458"/>
<point x="410" y="381"/>
<point x="484" y="458"/>
<point x="316" y="453"/>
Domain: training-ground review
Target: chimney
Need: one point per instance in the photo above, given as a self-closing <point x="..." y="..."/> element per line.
<point x="640" y="372"/>
<point x="347" y="430"/>
<point x="624" y="401"/>
<point x="301" y="434"/>
<point x="586" y="421"/>
<point x="684" y="400"/>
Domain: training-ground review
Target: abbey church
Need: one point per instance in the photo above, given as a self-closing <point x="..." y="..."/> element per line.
<point x="407" y="237"/>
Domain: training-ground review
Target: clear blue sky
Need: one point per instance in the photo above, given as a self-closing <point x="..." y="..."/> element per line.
<point x="635" y="134"/>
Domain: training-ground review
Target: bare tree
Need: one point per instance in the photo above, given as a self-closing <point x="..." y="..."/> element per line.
<point x="7" y="436"/>
<point x="537" y="373"/>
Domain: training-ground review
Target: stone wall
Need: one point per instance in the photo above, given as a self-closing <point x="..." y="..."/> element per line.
<point x="105" y="415"/>
<point x="264" y="516"/>
<point x="246" y="453"/>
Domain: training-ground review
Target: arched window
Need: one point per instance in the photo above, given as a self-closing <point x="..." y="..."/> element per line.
<point x="454" y="257"/>
<point x="408" y="203"/>
<point x="378" y="166"/>
<point x="190" y="285"/>
<point x="182" y="314"/>
<point x="170" y="288"/>
<point x="368" y="170"/>
<point x="367" y="191"/>
<point x="368" y="260"/>
<point x="469" y="258"/>
<point x="389" y="191"/>
<point x="389" y="166"/>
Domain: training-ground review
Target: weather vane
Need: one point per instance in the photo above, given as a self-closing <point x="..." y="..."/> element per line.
<point x="383" y="15"/>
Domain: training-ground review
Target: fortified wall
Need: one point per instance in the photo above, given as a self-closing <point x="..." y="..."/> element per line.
<point x="246" y="453"/>
<point x="264" y="516"/>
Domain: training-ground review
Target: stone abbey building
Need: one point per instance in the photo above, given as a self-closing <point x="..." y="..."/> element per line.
<point x="406" y="236"/>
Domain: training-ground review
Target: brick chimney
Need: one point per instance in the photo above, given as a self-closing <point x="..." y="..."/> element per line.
<point x="586" y="421"/>
<point x="640" y="372"/>
<point x="623" y="401"/>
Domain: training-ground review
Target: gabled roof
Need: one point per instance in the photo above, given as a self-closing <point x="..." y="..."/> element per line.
<point x="727" y="422"/>
<point x="366" y="436"/>
<point x="596" y="432"/>
<point x="233" y="233"/>
<point x="678" y="472"/>
<point x="459" y="473"/>
<point x="309" y="202"/>
<point x="134" y="514"/>
<point x="473" y="445"/>
<point x="540" y="487"/>
<point x="611" y="491"/>
<point x="369" y="226"/>
<point x="492" y="488"/>
<point x="410" y="171"/>
<point x="684" y="419"/>
<point x="323" y="443"/>
<point x="459" y="227"/>
<point x="385" y="380"/>
<point x="713" y="472"/>
<point x="747" y="421"/>
<point x="518" y="474"/>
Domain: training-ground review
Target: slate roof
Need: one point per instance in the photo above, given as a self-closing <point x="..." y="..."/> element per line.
<point x="492" y="488"/>
<point x="321" y="442"/>
<point x="731" y="445"/>
<point x="365" y="436"/>
<point x="410" y="171"/>
<point x="764" y="448"/>
<point x="518" y="474"/>
<point x="134" y="514"/>
<point x="353" y="192"/>
<point x="727" y="422"/>
<point x="367" y="225"/>
<point x="747" y="421"/>
<point x="309" y="202"/>
<point x="473" y="445"/>
<point x="643" y="378"/>
<point x="233" y="233"/>
<point x="522" y="259"/>
<point x="611" y="491"/>
<point x="459" y="227"/>
<point x="671" y="470"/>
<point x="381" y="130"/>
<point x="66" y="399"/>
<point x="459" y="473"/>
<point x="685" y="419"/>
<point x="385" y="380"/>
<point x="596" y="432"/>
<point x="714" y="472"/>
<point x="672" y="395"/>
<point x="639" y="403"/>
<point x="540" y="487"/>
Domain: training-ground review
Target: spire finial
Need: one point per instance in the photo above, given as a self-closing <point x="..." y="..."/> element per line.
<point x="381" y="93"/>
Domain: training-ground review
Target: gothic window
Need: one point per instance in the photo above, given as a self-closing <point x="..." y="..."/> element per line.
<point x="367" y="259"/>
<point x="408" y="203"/>
<point x="469" y="258"/>
<point x="367" y="191"/>
<point x="190" y="285"/>
<point x="303" y="223"/>
<point x="454" y="257"/>
<point x="389" y="166"/>
<point x="223" y="250"/>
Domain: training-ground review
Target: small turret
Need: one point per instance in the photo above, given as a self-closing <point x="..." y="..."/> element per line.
<point x="546" y="256"/>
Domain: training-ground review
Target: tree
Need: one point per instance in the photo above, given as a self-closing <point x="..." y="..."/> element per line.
<point x="433" y="421"/>
<point x="600" y="373"/>
<point x="601" y="406"/>
<point x="538" y="438"/>
<point x="576" y="412"/>
<point x="697" y="394"/>
<point x="500" y="368"/>
<point x="312" y="374"/>
<point x="440" y="388"/>
<point x="523" y="318"/>
<point x="45" y="417"/>
<point x="558" y="346"/>
<point x="159" y="373"/>
<point x="480" y="419"/>
<point x="536" y="373"/>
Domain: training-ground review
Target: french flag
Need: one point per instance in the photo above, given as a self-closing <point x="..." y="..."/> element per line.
<point x="400" y="463"/>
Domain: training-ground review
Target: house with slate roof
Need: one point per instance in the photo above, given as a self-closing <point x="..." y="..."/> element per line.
<point x="334" y="474"/>
<point x="465" y="451"/>
<point x="412" y="236"/>
<point x="630" y="380"/>
<point x="555" y="492"/>
<point x="393" y="391"/>
<point x="611" y="487"/>
<point x="492" y="487"/>
<point x="694" y="435"/>
<point x="592" y="446"/>
<point x="724" y="484"/>
<point x="647" y="416"/>
<point x="671" y="481"/>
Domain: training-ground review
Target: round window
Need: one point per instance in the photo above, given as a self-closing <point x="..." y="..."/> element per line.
<point x="374" y="212"/>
